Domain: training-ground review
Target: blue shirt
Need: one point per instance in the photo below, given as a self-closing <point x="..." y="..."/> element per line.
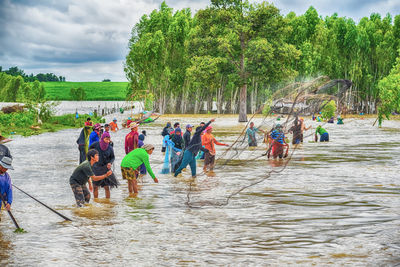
<point x="278" y="136"/>
<point x="93" y="137"/>
<point x="6" y="187"/>
<point x="251" y="134"/>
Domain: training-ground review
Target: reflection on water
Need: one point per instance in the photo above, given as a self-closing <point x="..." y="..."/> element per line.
<point x="334" y="204"/>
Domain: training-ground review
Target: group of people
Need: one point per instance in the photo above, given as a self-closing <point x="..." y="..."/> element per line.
<point x="97" y="154"/>
<point x="97" y="158"/>
<point x="276" y="140"/>
<point x="181" y="149"/>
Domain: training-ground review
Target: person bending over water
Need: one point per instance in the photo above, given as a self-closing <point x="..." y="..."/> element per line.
<point x="130" y="164"/>
<point x="323" y="133"/>
<point x="83" y="174"/>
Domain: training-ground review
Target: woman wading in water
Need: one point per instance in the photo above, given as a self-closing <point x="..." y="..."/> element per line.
<point x="106" y="159"/>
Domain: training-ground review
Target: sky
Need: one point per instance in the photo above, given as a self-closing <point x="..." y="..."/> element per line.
<point x="87" y="40"/>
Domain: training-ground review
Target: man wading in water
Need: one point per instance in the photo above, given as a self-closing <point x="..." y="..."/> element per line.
<point x="5" y="183"/>
<point x="81" y="176"/>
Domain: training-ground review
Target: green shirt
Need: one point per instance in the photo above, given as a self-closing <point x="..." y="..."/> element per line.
<point x="321" y="131"/>
<point x="135" y="158"/>
<point x="81" y="174"/>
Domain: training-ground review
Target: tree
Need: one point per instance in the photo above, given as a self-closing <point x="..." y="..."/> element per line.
<point x="389" y="93"/>
<point x="253" y="36"/>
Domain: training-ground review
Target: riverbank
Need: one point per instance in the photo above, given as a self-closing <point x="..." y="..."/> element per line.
<point x="25" y="123"/>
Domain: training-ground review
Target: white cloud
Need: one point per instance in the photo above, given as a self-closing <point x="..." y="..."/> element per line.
<point x="87" y="40"/>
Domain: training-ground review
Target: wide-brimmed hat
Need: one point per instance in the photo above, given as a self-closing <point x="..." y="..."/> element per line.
<point x="6" y="163"/>
<point x="3" y="139"/>
<point x="148" y="147"/>
<point x="133" y="125"/>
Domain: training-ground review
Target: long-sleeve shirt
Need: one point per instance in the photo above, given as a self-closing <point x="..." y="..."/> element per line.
<point x="105" y="156"/>
<point x="209" y="142"/>
<point x="94" y="137"/>
<point x="6" y="188"/>
<point x="136" y="158"/>
<point x="186" y="138"/>
<point x="131" y="141"/>
<point x="195" y="143"/>
<point x="4" y="151"/>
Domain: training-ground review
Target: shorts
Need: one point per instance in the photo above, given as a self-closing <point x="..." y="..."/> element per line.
<point x="253" y="143"/>
<point x="209" y="159"/>
<point x="324" y="137"/>
<point x="129" y="173"/>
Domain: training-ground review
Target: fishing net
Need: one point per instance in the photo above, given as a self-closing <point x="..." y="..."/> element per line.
<point x="300" y="98"/>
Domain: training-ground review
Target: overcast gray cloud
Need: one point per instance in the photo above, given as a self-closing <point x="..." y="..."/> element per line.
<point x="86" y="40"/>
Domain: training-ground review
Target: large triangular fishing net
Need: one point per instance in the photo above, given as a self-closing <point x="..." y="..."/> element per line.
<point x="300" y="98"/>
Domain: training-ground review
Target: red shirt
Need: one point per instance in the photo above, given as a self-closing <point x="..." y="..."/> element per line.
<point x="131" y="141"/>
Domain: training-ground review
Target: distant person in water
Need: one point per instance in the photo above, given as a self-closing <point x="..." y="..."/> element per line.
<point x="95" y="135"/>
<point x="83" y="143"/>
<point x="165" y="132"/>
<point x="88" y="122"/>
<point x="331" y="120"/>
<point x="114" y="125"/>
<point x="83" y="174"/>
<point x="209" y="142"/>
<point x="296" y="130"/>
<point x="132" y="138"/>
<point x="189" y="156"/>
<point x="340" y="120"/>
<point x="130" y="166"/>
<point x="278" y="143"/>
<point x="251" y="134"/>
<point x="324" y="136"/>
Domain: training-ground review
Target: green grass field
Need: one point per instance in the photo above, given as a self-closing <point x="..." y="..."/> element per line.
<point x="93" y="90"/>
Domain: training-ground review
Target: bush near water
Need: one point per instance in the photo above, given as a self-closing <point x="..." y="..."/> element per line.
<point x="25" y="123"/>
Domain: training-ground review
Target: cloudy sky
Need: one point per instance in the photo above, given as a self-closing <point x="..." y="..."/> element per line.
<point x="86" y="40"/>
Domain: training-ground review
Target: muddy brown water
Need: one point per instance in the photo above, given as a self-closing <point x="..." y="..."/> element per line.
<point x="336" y="203"/>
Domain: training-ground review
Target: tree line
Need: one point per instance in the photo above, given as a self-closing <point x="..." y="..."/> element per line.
<point x="15" y="89"/>
<point x="41" y="77"/>
<point x="237" y="54"/>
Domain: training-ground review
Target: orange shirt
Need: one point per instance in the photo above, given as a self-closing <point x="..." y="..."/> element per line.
<point x="113" y="126"/>
<point x="208" y="140"/>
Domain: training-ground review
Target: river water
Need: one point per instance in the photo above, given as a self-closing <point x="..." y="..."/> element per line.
<point x="335" y="204"/>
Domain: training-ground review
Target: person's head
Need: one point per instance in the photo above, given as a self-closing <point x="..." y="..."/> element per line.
<point x="129" y="118"/>
<point x="5" y="164"/>
<point x="202" y="123"/>
<point x="176" y="125"/>
<point x="251" y="124"/>
<point x="168" y="124"/>
<point x="144" y="133"/>
<point x="141" y="137"/>
<point x="209" y="129"/>
<point x="189" y="127"/>
<point x="3" y="139"/>
<point x="134" y="126"/>
<point x="106" y="137"/>
<point x="88" y="119"/>
<point x="178" y="131"/>
<point x="115" y="120"/>
<point x="149" y="148"/>
<point x="106" y="127"/>
<point x="97" y="127"/>
<point x="93" y="155"/>
<point x="278" y="126"/>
